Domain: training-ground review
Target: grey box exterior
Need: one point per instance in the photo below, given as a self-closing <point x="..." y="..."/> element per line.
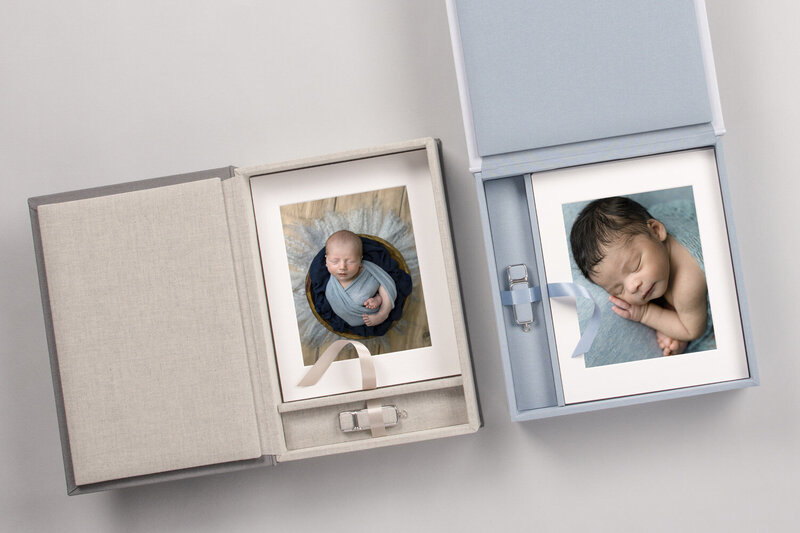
<point x="455" y="391"/>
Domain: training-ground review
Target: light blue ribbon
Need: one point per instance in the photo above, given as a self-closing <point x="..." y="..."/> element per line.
<point x="559" y="290"/>
<point x="521" y="296"/>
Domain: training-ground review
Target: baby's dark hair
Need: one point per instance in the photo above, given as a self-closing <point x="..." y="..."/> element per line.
<point x="601" y="223"/>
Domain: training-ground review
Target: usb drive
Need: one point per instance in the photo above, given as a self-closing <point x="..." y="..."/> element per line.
<point x="518" y="281"/>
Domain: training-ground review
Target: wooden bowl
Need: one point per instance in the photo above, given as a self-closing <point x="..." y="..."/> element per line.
<point x="393" y="253"/>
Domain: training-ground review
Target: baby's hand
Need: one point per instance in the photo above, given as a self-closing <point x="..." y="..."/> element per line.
<point x="373" y="303"/>
<point x="625" y="310"/>
<point x="670" y="346"/>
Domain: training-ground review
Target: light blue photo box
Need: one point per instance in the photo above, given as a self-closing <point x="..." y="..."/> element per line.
<point x="552" y="84"/>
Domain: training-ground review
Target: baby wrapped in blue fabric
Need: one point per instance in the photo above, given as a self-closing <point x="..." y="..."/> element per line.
<point x="651" y="276"/>
<point x="359" y="292"/>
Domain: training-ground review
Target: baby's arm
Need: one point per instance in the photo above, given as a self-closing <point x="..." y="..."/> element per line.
<point x="681" y="324"/>
<point x="383" y="312"/>
<point x="685" y="325"/>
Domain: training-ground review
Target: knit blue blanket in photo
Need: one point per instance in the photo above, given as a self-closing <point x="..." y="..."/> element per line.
<point x="620" y="340"/>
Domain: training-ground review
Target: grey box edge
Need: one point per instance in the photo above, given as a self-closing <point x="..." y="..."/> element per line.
<point x="738" y="270"/>
<point x="459" y="279"/>
<point x="138" y="185"/>
<point x="172" y="475"/>
<point x="51" y="348"/>
<point x="636" y="399"/>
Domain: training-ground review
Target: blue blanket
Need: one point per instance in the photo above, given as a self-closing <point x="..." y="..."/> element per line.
<point x="348" y="303"/>
<point x="374" y="252"/>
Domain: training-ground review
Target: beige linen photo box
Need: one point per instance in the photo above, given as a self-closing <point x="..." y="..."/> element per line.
<point x="160" y="338"/>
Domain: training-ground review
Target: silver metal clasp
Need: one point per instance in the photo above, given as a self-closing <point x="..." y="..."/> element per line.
<point x="518" y="280"/>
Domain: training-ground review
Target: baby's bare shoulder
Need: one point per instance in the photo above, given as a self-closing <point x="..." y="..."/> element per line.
<point x="688" y="284"/>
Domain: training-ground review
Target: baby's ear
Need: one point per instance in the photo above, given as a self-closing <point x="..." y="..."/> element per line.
<point x="658" y="229"/>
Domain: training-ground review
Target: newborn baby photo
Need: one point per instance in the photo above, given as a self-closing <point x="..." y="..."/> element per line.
<point x="354" y="251"/>
<point x="646" y="237"/>
<point x="355" y="273"/>
<point x="358" y="291"/>
<point x="641" y="259"/>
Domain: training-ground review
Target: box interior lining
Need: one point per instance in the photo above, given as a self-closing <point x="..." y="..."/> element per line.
<point x="512" y="241"/>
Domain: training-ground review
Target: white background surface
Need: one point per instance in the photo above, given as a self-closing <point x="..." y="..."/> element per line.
<point x="94" y="93"/>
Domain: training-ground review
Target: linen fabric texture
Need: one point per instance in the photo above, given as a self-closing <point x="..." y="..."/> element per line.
<point x="151" y="351"/>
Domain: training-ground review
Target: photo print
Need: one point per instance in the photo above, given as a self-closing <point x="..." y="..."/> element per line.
<point x="633" y="249"/>
<point x="341" y="246"/>
<point x="343" y="258"/>
<point x="672" y="260"/>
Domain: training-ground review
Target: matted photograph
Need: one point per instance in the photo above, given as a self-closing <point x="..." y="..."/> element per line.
<point x="641" y="258"/>
<point x="646" y="237"/>
<point x="343" y="259"/>
<point x="348" y="281"/>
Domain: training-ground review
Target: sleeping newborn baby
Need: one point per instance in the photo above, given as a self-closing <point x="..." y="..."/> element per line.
<point x="358" y="291"/>
<point x="649" y="276"/>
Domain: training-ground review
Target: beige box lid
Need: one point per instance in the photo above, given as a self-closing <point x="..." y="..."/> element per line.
<point x="147" y="327"/>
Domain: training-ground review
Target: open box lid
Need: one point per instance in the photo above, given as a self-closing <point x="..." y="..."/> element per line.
<point x="555" y="72"/>
<point x="142" y="305"/>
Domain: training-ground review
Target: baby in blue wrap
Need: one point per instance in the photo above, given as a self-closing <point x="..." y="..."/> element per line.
<point x="650" y="277"/>
<point x="360" y="292"/>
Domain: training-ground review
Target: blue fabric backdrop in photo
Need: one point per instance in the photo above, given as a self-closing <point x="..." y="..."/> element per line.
<point x="620" y="340"/>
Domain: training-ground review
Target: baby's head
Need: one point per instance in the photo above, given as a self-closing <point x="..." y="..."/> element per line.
<point x="618" y="245"/>
<point x="343" y="252"/>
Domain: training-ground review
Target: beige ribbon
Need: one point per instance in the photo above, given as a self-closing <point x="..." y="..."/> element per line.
<point x="368" y="379"/>
<point x="375" y="416"/>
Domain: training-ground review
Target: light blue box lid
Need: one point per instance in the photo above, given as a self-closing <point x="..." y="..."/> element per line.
<point x="543" y="73"/>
